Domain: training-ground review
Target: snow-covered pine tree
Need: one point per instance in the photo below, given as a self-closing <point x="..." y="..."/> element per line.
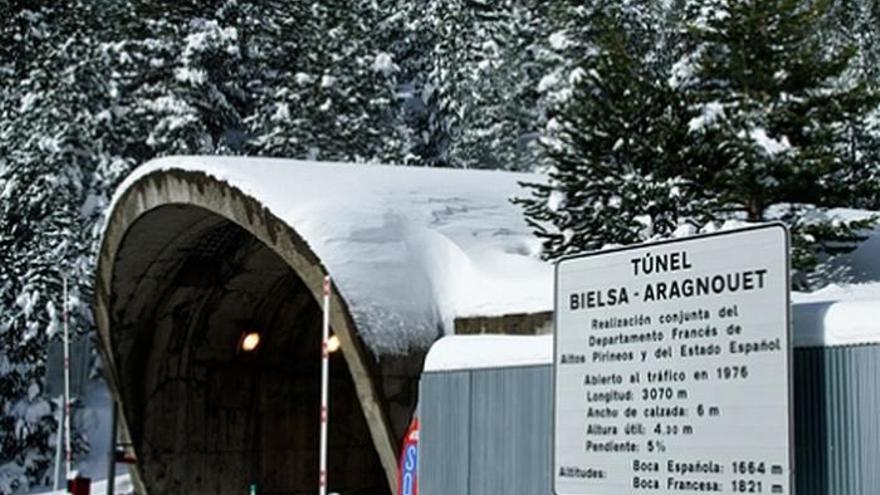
<point x="51" y="115"/>
<point x="414" y="49"/>
<point x="770" y="124"/>
<point x="402" y="32"/>
<point x="574" y="27"/>
<point x="450" y="36"/>
<point x="92" y="94"/>
<point x="573" y="31"/>
<point x="471" y="68"/>
<point x="447" y="32"/>
<point x="329" y="91"/>
<point x="497" y="87"/>
<point x="853" y="24"/>
<point x="609" y="141"/>
<point x="201" y="63"/>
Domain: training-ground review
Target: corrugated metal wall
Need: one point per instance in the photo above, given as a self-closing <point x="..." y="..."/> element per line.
<point x="444" y="447"/>
<point x="837" y="420"/>
<point x="488" y="431"/>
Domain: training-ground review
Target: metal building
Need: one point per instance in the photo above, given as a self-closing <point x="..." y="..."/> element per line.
<point x="485" y="407"/>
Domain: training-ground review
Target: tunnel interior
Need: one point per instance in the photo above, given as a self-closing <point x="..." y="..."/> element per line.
<point x="203" y="415"/>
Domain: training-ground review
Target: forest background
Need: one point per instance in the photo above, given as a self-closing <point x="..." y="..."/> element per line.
<point x="650" y="119"/>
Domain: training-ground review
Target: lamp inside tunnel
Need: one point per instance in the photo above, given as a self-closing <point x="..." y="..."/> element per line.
<point x="249" y="342"/>
<point x="333" y="344"/>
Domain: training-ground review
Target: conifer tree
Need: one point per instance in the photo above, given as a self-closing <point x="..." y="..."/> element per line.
<point x="853" y="23"/>
<point x="414" y="46"/>
<point x="455" y="51"/>
<point x="496" y="126"/>
<point x="608" y="144"/>
<point x="50" y="116"/>
<point x="754" y="122"/>
<point x="484" y="79"/>
<point x="330" y="90"/>
<point x="771" y="121"/>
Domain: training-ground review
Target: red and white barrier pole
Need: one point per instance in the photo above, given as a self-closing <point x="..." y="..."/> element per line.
<point x="68" y="454"/>
<point x="325" y="379"/>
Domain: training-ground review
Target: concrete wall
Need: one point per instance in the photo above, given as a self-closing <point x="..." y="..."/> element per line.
<point x="509" y="324"/>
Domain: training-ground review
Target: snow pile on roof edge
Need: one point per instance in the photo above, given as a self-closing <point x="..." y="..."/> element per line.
<point x="459" y="352"/>
<point x="837" y="315"/>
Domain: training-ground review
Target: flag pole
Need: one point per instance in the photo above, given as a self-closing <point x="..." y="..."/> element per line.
<point x="325" y="378"/>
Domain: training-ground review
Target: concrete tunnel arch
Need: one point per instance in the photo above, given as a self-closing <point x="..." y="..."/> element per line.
<point x="186" y="263"/>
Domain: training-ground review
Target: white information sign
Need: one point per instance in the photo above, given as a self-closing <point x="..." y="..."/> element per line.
<point x="672" y="368"/>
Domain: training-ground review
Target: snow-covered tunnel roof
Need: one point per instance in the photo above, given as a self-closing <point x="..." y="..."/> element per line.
<point x="409" y="248"/>
<point x="412" y="248"/>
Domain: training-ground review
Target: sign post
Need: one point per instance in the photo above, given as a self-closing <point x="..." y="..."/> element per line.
<point x="672" y="367"/>
<point x="68" y="452"/>
<point x="408" y="469"/>
<point x="325" y="379"/>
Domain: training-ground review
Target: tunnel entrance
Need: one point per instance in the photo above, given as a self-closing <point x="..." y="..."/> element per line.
<point x="204" y="416"/>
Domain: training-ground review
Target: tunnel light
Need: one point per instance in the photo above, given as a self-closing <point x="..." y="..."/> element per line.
<point x="250" y="341"/>
<point x="333" y="343"/>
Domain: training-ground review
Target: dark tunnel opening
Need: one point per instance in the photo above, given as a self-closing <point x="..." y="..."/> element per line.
<point x="204" y="416"/>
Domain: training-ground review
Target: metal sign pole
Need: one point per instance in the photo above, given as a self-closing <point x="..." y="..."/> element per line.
<point x="67" y="451"/>
<point x="325" y="378"/>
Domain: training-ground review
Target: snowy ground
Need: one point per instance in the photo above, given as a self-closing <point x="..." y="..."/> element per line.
<point x="93" y="420"/>
<point x="122" y="487"/>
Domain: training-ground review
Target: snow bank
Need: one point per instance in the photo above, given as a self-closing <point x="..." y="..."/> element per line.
<point x="409" y="249"/>
<point x="837" y="323"/>
<point x="838" y="315"/>
<point x="842" y="293"/>
<point x="93" y="421"/>
<point x="123" y="486"/>
<point x="863" y="264"/>
<point x="459" y="352"/>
